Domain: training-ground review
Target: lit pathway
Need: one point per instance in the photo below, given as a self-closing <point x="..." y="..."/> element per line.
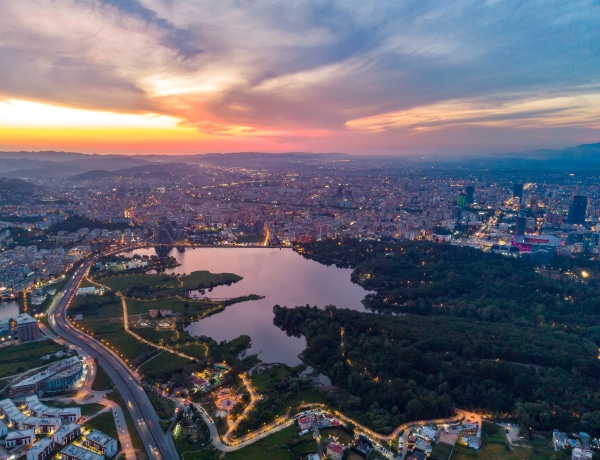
<point x="226" y="444"/>
<point x="254" y="398"/>
<point x="138" y="337"/>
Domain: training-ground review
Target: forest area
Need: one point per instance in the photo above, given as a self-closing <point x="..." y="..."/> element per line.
<point x="463" y="329"/>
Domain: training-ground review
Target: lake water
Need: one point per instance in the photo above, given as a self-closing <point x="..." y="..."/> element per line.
<point x="280" y="275"/>
<point x="9" y="309"/>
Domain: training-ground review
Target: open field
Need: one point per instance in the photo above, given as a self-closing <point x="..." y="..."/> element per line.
<point x="274" y="447"/>
<point x="163" y="365"/>
<point x="155" y="282"/>
<point x="196" y="349"/>
<point x="495" y="447"/>
<point x="343" y="435"/>
<point x="176" y="304"/>
<point x="105" y="423"/>
<point x="155" y="335"/>
<point x="93" y="307"/>
<point x="164" y="407"/>
<point x="15" y="359"/>
<point x="102" y="381"/>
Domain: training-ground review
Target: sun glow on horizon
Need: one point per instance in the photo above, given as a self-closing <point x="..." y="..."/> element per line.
<point x="17" y="113"/>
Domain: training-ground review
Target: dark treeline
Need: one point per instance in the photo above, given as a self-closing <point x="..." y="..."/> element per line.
<point x="393" y="369"/>
<point x="428" y="278"/>
<point x="475" y="330"/>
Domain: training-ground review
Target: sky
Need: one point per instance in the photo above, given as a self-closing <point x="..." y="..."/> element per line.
<point x="364" y="77"/>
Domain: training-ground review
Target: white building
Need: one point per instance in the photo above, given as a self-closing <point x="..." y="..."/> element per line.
<point x="66" y="433"/>
<point x="41" y="450"/>
<point x="101" y="442"/>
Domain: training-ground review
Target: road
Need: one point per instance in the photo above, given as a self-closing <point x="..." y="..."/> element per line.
<point x="156" y="444"/>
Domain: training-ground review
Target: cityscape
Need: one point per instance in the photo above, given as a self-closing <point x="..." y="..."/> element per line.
<point x="309" y="230"/>
<point x="92" y="279"/>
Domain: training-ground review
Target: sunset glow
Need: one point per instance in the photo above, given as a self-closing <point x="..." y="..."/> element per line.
<point x="149" y="76"/>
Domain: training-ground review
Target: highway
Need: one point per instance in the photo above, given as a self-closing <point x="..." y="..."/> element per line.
<point x="156" y="443"/>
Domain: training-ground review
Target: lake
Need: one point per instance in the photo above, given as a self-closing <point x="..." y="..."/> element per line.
<point x="282" y="276"/>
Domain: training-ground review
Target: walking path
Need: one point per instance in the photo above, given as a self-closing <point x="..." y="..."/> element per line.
<point x="129" y="331"/>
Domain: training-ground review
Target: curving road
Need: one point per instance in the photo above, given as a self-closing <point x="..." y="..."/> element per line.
<point x="156" y="444"/>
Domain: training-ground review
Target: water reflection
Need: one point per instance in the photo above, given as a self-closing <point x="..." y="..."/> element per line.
<point x="283" y="277"/>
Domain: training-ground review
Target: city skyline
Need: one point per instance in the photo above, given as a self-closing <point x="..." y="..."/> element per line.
<point x="364" y="78"/>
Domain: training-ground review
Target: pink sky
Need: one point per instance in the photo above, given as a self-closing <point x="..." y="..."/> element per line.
<point x="361" y="77"/>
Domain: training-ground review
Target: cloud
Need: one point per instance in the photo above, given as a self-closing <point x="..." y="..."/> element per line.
<point x="349" y="72"/>
<point x="181" y="40"/>
<point x="582" y="110"/>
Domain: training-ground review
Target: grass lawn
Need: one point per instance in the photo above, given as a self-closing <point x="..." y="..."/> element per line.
<point x="197" y="349"/>
<point x="160" y="367"/>
<point x="495" y="447"/>
<point x="86" y="283"/>
<point x="164" y="407"/>
<point x="15" y="359"/>
<point x="88" y="409"/>
<point x="376" y="455"/>
<point x="108" y="310"/>
<point x="265" y="381"/>
<point x="177" y="304"/>
<point x="151" y="283"/>
<point x="114" y="333"/>
<point x="274" y="447"/>
<point x="343" y="435"/>
<point x="104" y="422"/>
<point x="304" y="447"/>
<point x="102" y="381"/>
<point x="191" y="452"/>
<point x="125" y="344"/>
<point x="354" y="456"/>
<point x="440" y="451"/>
<point x="154" y="335"/>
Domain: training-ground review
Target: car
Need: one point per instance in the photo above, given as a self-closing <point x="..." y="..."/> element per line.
<point x="506" y="430"/>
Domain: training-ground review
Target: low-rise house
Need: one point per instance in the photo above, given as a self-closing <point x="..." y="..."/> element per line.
<point x="417" y="455"/>
<point x="67" y="433"/>
<point x="335" y="451"/>
<point x="305" y="423"/>
<point x="559" y="440"/>
<point x="70" y="414"/>
<point x="580" y="454"/>
<point x="3" y="429"/>
<point x="102" y="443"/>
<point x="41" y="450"/>
<point x="474" y="442"/>
<point x="73" y="452"/>
<point x="48" y="425"/>
<point x="423" y="445"/>
<point x="19" y="438"/>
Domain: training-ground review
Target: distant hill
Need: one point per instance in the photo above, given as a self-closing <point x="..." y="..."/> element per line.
<point x="50" y="165"/>
<point x="155" y="170"/>
<point x="16" y="191"/>
<point x="78" y="166"/>
<point x="583" y="156"/>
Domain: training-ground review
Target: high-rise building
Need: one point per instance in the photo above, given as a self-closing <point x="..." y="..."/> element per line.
<point x="518" y="191"/>
<point x="470" y="191"/>
<point x="27" y="328"/>
<point x="462" y="200"/>
<point x="520" y="226"/>
<point x="577" y="210"/>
